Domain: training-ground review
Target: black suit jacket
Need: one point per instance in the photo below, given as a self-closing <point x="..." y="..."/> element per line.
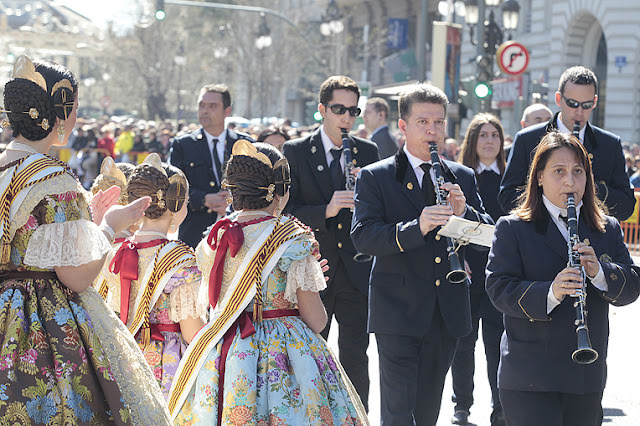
<point x="387" y="145"/>
<point x="311" y="192"/>
<point x="536" y="347"/>
<point x="607" y="160"/>
<point x="409" y="270"/>
<point x="191" y="154"/>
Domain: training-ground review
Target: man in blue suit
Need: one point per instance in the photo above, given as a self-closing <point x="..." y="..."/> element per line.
<point x="414" y="311"/>
<point x="202" y="156"/>
<point x="577" y="97"/>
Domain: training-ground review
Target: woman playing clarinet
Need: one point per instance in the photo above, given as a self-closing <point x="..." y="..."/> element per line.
<point x="530" y="282"/>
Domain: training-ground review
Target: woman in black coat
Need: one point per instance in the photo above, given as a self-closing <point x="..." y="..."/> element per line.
<point x="529" y="281"/>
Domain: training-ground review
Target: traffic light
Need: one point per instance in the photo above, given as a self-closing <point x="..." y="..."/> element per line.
<point x="482" y="90"/>
<point x="484" y="74"/>
<point x="160" y="12"/>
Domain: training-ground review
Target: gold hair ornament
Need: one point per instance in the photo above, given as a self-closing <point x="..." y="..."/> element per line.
<point x="24" y="68"/>
<point x="244" y="147"/>
<point x="109" y="168"/>
<point x="269" y="189"/>
<point x="179" y="182"/>
<point x="160" y="198"/>
<point x="33" y="114"/>
<point x="154" y="161"/>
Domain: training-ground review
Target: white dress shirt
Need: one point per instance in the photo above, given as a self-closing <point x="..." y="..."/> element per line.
<point x="555" y="212"/>
<point x="222" y="141"/>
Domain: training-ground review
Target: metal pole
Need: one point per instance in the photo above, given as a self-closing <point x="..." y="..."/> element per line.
<point x="481" y="37"/>
<point x="253" y="9"/>
<point x="422" y="40"/>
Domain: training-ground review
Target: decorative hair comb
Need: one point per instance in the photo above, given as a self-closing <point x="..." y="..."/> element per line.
<point x="244" y="147"/>
<point x="154" y="161"/>
<point x="108" y="168"/>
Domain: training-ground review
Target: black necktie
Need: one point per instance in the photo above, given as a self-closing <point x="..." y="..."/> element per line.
<point x="427" y="185"/>
<point x="565" y="219"/>
<point x="216" y="160"/>
<point x="335" y="170"/>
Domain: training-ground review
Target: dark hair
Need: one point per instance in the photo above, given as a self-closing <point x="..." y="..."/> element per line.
<point x="248" y="178"/>
<point x="379" y="105"/>
<point x="530" y="204"/>
<point x="21" y="95"/>
<point x="420" y="93"/>
<point x="469" y="149"/>
<point x="146" y="180"/>
<point x="578" y="75"/>
<point x="272" y="131"/>
<point x="218" y="88"/>
<point x="337" y="82"/>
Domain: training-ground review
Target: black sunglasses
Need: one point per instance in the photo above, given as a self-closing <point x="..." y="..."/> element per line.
<point x="340" y="109"/>
<point x="572" y="103"/>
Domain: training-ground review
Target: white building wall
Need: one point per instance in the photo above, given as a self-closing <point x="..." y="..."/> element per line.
<point x="566" y="33"/>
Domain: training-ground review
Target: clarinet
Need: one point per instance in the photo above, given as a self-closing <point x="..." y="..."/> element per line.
<point x="457" y="274"/>
<point x="350" y="182"/>
<point x="576" y="130"/>
<point x="584" y="354"/>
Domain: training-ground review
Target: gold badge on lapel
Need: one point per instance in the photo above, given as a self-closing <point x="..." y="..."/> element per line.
<point x="320" y="167"/>
<point x="613" y="277"/>
<point x="409" y="186"/>
<point x="605" y="258"/>
<point x="586" y="241"/>
<point x="355" y="163"/>
<point x="355" y="150"/>
<point x="313" y="149"/>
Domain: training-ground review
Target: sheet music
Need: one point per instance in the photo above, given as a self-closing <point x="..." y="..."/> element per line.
<point x="467" y="231"/>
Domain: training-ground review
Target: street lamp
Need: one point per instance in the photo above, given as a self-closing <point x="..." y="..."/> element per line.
<point x="489" y="38"/>
<point x="332" y="20"/>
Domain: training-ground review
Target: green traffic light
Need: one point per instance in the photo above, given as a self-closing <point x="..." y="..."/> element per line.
<point x="160" y="15"/>
<point x="482" y="90"/>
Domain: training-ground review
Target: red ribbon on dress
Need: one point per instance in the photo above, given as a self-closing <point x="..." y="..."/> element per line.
<point x="125" y="264"/>
<point x="232" y="239"/>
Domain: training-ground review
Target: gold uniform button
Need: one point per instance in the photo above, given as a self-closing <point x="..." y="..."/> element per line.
<point x="212" y="183"/>
<point x="437" y="237"/>
<point x="339" y="226"/>
<point x="437" y="283"/>
<point x="438" y="260"/>
<point x="590" y="156"/>
<point x="339" y="245"/>
<point x="192" y="164"/>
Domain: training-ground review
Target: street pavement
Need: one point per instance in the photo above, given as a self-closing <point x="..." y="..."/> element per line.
<point x="621" y="400"/>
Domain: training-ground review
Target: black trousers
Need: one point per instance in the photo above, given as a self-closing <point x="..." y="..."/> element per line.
<point x="463" y="366"/>
<point x="343" y="300"/>
<point x="524" y="408"/>
<point x="412" y="374"/>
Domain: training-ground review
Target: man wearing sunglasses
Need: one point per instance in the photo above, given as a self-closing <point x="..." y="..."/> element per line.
<point x="577" y="97"/>
<point x="318" y="198"/>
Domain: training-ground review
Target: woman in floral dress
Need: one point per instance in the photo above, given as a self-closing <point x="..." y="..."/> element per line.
<point x="260" y="359"/>
<point x="153" y="282"/>
<point x="64" y="357"/>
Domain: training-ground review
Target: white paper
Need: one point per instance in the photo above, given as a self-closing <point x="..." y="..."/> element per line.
<point x="467" y="231"/>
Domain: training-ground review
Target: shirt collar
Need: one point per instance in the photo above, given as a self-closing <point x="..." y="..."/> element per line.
<point x="493" y="167"/>
<point x="563" y="129"/>
<point x="327" y="144"/>
<point x="556" y="211"/>
<point x="378" y="129"/>
<point x="221" y="137"/>
<point x="413" y="160"/>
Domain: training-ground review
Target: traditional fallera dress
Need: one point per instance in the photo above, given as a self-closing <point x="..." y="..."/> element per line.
<point x="153" y="286"/>
<point x="275" y="369"/>
<point x="65" y="358"/>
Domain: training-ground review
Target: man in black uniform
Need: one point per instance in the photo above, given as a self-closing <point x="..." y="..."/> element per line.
<point x="576" y="97"/>
<point x="319" y="199"/>
<point x="202" y="155"/>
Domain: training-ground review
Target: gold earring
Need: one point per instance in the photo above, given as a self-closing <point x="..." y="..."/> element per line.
<point x="61" y="131"/>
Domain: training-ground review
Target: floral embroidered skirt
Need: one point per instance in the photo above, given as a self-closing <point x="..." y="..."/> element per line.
<point x="52" y="367"/>
<point x="284" y="374"/>
<point x="66" y="359"/>
<point x="163" y="358"/>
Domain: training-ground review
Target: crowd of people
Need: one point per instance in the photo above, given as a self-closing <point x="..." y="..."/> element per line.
<point x="109" y="318"/>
